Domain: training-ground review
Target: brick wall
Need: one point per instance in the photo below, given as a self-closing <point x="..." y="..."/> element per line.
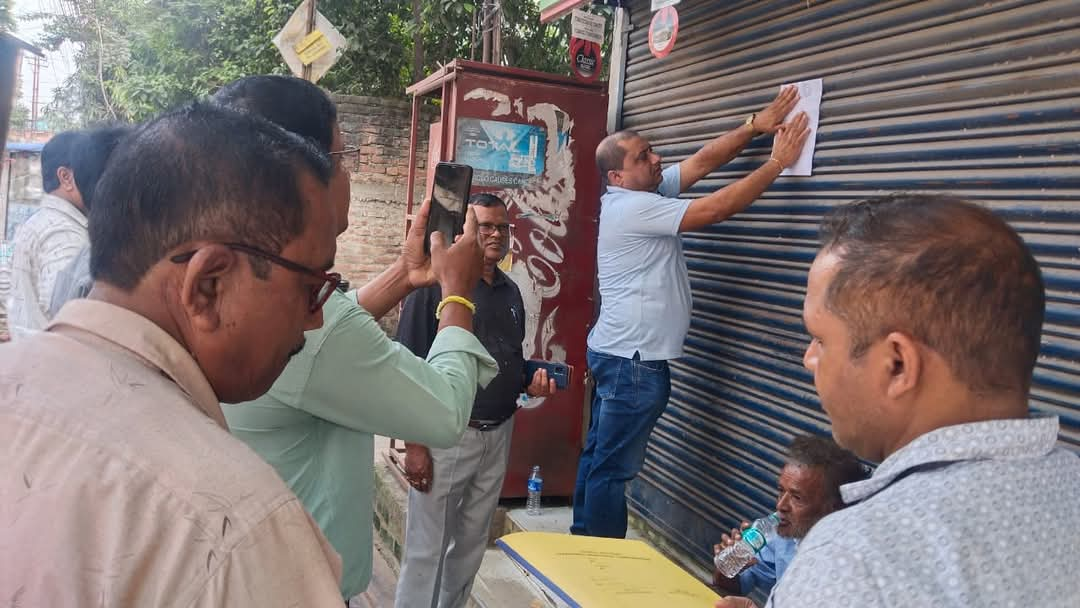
<point x="378" y="177"/>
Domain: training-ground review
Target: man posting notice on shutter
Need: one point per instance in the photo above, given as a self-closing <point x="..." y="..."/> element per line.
<point x="645" y="292"/>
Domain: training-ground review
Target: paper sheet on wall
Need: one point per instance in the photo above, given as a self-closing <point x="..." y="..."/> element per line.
<point x="809" y="102"/>
<point x="605" y="572"/>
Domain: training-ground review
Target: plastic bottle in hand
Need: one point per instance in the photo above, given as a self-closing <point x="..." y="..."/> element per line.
<point x="536" y="485"/>
<point x="731" y="561"/>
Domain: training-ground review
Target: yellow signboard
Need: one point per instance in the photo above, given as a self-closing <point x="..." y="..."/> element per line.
<point x="312" y="47"/>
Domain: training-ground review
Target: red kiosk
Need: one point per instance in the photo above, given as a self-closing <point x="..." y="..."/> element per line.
<point x="530" y="138"/>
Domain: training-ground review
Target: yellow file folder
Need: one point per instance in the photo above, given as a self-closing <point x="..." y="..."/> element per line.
<point x="590" y="572"/>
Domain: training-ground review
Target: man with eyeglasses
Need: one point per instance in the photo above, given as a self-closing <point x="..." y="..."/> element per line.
<point x="316" y="425"/>
<point x="455" y="489"/>
<point x="121" y="485"/>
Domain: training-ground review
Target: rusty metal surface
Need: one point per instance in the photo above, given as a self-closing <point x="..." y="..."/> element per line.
<point x="981" y="99"/>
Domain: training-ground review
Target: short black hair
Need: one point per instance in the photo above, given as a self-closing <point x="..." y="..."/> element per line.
<point x="202" y="172"/>
<point x="58" y="152"/>
<point x="839" y="465"/>
<point x="90" y="155"/>
<point x="947" y="272"/>
<point x="486" y="199"/>
<point x="610" y="154"/>
<point x="289" y="102"/>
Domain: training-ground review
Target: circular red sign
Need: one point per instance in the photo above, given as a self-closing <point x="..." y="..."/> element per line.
<point x="585" y="59"/>
<point x="663" y="31"/>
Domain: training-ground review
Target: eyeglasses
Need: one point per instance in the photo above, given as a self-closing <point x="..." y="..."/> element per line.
<point x="488" y="229"/>
<point x="345" y="151"/>
<point x="319" y="293"/>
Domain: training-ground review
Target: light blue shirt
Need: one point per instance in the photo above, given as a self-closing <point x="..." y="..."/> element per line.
<point x="772" y="561"/>
<point x="978" y="514"/>
<point x="644" y="284"/>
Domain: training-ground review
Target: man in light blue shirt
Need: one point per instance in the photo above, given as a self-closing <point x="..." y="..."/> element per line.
<point x="645" y="292"/>
<point x="925" y="315"/>
<point x="809" y="489"/>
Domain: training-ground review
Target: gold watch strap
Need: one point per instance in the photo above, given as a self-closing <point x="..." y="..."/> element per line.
<point x="750" y="123"/>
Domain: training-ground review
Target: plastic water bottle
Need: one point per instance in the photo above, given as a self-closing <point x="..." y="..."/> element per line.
<point x="733" y="559"/>
<point x="536" y="484"/>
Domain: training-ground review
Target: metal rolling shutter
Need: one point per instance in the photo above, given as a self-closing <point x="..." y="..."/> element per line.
<point x="981" y="99"/>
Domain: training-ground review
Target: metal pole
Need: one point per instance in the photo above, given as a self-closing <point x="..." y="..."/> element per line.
<point x="620" y="41"/>
<point x="34" y="98"/>
<point x="312" y="10"/>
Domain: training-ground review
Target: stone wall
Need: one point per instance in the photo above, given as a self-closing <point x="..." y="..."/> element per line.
<point x="380" y="127"/>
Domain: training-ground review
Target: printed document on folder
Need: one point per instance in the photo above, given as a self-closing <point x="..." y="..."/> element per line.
<point x="590" y="572"/>
<point x="809" y="102"/>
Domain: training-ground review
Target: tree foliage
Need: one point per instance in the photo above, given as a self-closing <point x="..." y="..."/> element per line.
<point x="138" y="57"/>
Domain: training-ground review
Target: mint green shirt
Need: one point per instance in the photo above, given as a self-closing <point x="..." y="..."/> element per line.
<point x="351" y="382"/>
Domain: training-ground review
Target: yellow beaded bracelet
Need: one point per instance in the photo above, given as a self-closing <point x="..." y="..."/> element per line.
<point x="454" y="299"/>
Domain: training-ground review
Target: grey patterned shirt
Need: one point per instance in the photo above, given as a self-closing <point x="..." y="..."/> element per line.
<point x="979" y="515"/>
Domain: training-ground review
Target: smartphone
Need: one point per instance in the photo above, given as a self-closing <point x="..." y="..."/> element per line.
<point x="449" y="197"/>
<point x="561" y="373"/>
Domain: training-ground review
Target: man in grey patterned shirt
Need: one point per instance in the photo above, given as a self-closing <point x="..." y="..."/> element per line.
<point x="925" y="314"/>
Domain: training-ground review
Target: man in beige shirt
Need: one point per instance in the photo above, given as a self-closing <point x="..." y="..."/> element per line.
<point x="119" y="483"/>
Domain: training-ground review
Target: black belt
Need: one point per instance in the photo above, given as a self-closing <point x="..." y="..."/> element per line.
<point x="487" y="425"/>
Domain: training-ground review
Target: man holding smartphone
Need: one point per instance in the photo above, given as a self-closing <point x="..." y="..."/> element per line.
<point x="645" y="292"/>
<point x="316" y="425"/>
<point x="455" y="491"/>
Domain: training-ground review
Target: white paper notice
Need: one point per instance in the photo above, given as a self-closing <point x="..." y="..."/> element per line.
<point x="587" y="26"/>
<point x="809" y="102"/>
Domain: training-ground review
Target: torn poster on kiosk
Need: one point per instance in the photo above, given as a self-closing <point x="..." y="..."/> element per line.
<point x="501" y="153"/>
<point x="809" y="102"/>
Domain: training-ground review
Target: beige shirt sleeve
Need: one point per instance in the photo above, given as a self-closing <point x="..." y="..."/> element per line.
<point x="284" y="561"/>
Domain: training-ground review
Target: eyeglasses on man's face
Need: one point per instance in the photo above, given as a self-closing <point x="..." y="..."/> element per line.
<point x="488" y="229"/>
<point x="345" y="153"/>
<point x="320" y="292"/>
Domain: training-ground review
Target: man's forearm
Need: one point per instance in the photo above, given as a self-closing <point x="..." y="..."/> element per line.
<point x="730" y="199"/>
<point x="714" y="154"/>
<point x="381" y="294"/>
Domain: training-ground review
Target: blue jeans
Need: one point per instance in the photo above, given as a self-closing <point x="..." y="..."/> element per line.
<point x="630" y="396"/>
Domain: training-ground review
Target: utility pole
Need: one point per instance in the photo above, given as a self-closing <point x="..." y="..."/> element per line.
<point x="485" y="31"/>
<point x="34" y="96"/>
<point x="491" y="31"/>
<point x="312" y="10"/>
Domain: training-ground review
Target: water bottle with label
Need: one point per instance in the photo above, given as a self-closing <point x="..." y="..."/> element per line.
<point x="731" y="561"/>
<point x="535" y="485"/>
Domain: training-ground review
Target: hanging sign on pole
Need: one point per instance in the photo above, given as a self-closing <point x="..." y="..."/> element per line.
<point x="309" y="43"/>
<point x="586" y="36"/>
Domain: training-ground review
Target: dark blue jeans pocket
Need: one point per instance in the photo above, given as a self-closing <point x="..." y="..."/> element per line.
<point x="605" y="370"/>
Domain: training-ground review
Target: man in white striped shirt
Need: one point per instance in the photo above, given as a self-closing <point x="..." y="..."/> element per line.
<point x="71" y="163"/>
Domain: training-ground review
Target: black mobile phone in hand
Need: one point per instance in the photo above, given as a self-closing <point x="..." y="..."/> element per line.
<point x="561" y="373"/>
<point x="449" y="198"/>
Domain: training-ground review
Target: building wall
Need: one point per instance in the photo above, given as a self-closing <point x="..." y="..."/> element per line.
<point x="380" y="127"/>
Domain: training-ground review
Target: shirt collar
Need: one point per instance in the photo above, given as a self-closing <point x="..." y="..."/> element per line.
<point x="1005" y="439"/>
<point x="138" y="335"/>
<point x="64" y="206"/>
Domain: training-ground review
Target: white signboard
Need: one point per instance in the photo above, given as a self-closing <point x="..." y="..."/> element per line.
<point x="809" y="102"/>
<point x="587" y="26"/>
<point x="659" y="4"/>
<point x="292" y="37"/>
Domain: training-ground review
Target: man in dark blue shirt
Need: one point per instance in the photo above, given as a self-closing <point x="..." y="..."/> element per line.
<point x="455" y="491"/>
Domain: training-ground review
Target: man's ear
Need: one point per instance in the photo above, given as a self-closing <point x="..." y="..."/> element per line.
<point x="614" y="178"/>
<point x="66" y="177"/>
<point x="904" y="363"/>
<point x="203" y="286"/>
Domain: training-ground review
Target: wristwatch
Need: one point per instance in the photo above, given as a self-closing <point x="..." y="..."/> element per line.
<point x="750" y="123"/>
